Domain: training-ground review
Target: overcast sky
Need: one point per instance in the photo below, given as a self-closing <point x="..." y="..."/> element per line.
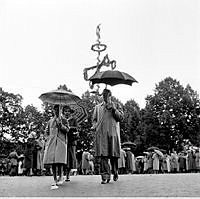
<point x="45" y="43"/>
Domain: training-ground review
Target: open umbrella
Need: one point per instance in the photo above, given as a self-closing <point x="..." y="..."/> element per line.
<point x="112" y="78"/>
<point x="140" y="157"/>
<point x="159" y="153"/>
<point x="128" y="144"/>
<point x="79" y="111"/>
<point x="59" y="96"/>
<point x="152" y="148"/>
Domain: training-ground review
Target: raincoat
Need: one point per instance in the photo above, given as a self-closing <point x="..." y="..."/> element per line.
<point x="56" y="146"/>
<point x="107" y="131"/>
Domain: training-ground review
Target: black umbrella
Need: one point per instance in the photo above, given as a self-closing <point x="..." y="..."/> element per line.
<point x="112" y="78"/>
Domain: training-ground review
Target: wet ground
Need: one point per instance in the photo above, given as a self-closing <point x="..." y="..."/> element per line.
<point x="147" y="185"/>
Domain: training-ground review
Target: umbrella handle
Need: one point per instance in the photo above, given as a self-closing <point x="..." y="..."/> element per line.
<point x="60" y="109"/>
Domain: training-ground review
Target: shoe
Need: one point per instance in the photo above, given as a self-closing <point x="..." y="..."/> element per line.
<point x="115" y="177"/>
<point x="108" y="180"/>
<point x="67" y="180"/>
<point x="54" y="186"/>
<point x="103" y="182"/>
<point x="60" y="182"/>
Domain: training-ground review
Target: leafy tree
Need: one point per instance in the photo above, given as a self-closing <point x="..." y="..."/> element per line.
<point x="10" y="120"/>
<point x="131" y="121"/>
<point x="172" y="114"/>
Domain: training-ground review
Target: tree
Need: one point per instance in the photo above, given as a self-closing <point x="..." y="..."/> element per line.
<point x="131" y="121"/>
<point x="172" y="114"/>
<point x="10" y="120"/>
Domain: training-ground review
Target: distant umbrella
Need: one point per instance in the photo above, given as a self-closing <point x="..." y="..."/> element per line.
<point x="152" y="148"/>
<point x="159" y="152"/>
<point x="128" y="144"/>
<point x="140" y="157"/>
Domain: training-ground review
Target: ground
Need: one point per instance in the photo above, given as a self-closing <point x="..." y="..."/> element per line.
<point x="148" y="185"/>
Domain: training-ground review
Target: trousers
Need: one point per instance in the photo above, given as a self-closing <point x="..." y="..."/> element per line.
<point x="108" y="166"/>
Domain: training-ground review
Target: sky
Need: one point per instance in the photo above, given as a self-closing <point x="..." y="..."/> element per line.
<point x="47" y="43"/>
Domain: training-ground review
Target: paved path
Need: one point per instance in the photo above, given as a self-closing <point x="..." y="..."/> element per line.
<point x="162" y="185"/>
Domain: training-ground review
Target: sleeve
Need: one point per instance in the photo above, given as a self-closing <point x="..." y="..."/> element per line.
<point x="118" y="114"/>
<point x="47" y="130"/>
<point x="94" y="117"/>
<point x="65" y="126"/>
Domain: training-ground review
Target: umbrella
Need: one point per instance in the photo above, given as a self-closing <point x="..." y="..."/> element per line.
<point x="163" y="150"/>
<point x="140" y="157"/>
<point x="152" y="148"/>
<point x="112" y="78"/>
<point x="79" y="111"/>
<point x="128" y="144"/>
<point x="59" y="96"/>
<point x="159" y="153"/>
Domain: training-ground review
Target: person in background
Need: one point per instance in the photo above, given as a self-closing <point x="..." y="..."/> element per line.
<point x="174" y="162"/>
<point x="191" y="161"/>
<point x="55" y="152"/>
<point x="150" y="162"/>
<point x="72" y="136"/>
<point x="197" y="160"/>
<point x="29" y="149"/>
<point x="91" y="163"/>
<point x="14" y="162"/>
<point x="20" y="165"/>
<point x="40" y="153"/>
<point x="182" y="162"/>
<point x="130" y="161"/>
<point x="85" y="162"/>
<point x="156" y="162"/>
<point x="145" y="161"/>
<point x="107" y="144"/>
<point x="122" y="162"/>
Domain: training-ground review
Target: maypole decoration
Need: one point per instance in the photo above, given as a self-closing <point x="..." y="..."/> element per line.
<point x="99" y="47"/>
<point x="109" y="77"/>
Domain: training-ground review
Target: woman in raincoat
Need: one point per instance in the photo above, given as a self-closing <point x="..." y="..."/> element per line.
<point x="156" y="162"/>
<point x="56" y="147"/>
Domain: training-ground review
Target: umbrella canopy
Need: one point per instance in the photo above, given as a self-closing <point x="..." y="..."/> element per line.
<point x="152" y="148"/>
<point x="128" y="144"/>
<point x="140" y="157"/>
<point x="112" y="78"/>
<point x="59" y="96"/>
<point x="159" y="153"/>
<point x="79" y="112"/>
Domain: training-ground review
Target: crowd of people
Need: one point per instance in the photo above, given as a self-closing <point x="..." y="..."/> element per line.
<point x="153" y="162"/>
<point x="54" y="153"/>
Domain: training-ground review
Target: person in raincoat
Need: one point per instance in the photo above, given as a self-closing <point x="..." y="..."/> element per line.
<point x="121" y="162"/>
<point x="40" y="143"/>
<point x="29" y="154"/>
<point x="107" y="144"/>
<point x="14" y="162"/>
<point x="72" y="142"/>
<point x="85" y="162"/>
<point x="55" y="152"/>
<point x="155" y="162"/>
